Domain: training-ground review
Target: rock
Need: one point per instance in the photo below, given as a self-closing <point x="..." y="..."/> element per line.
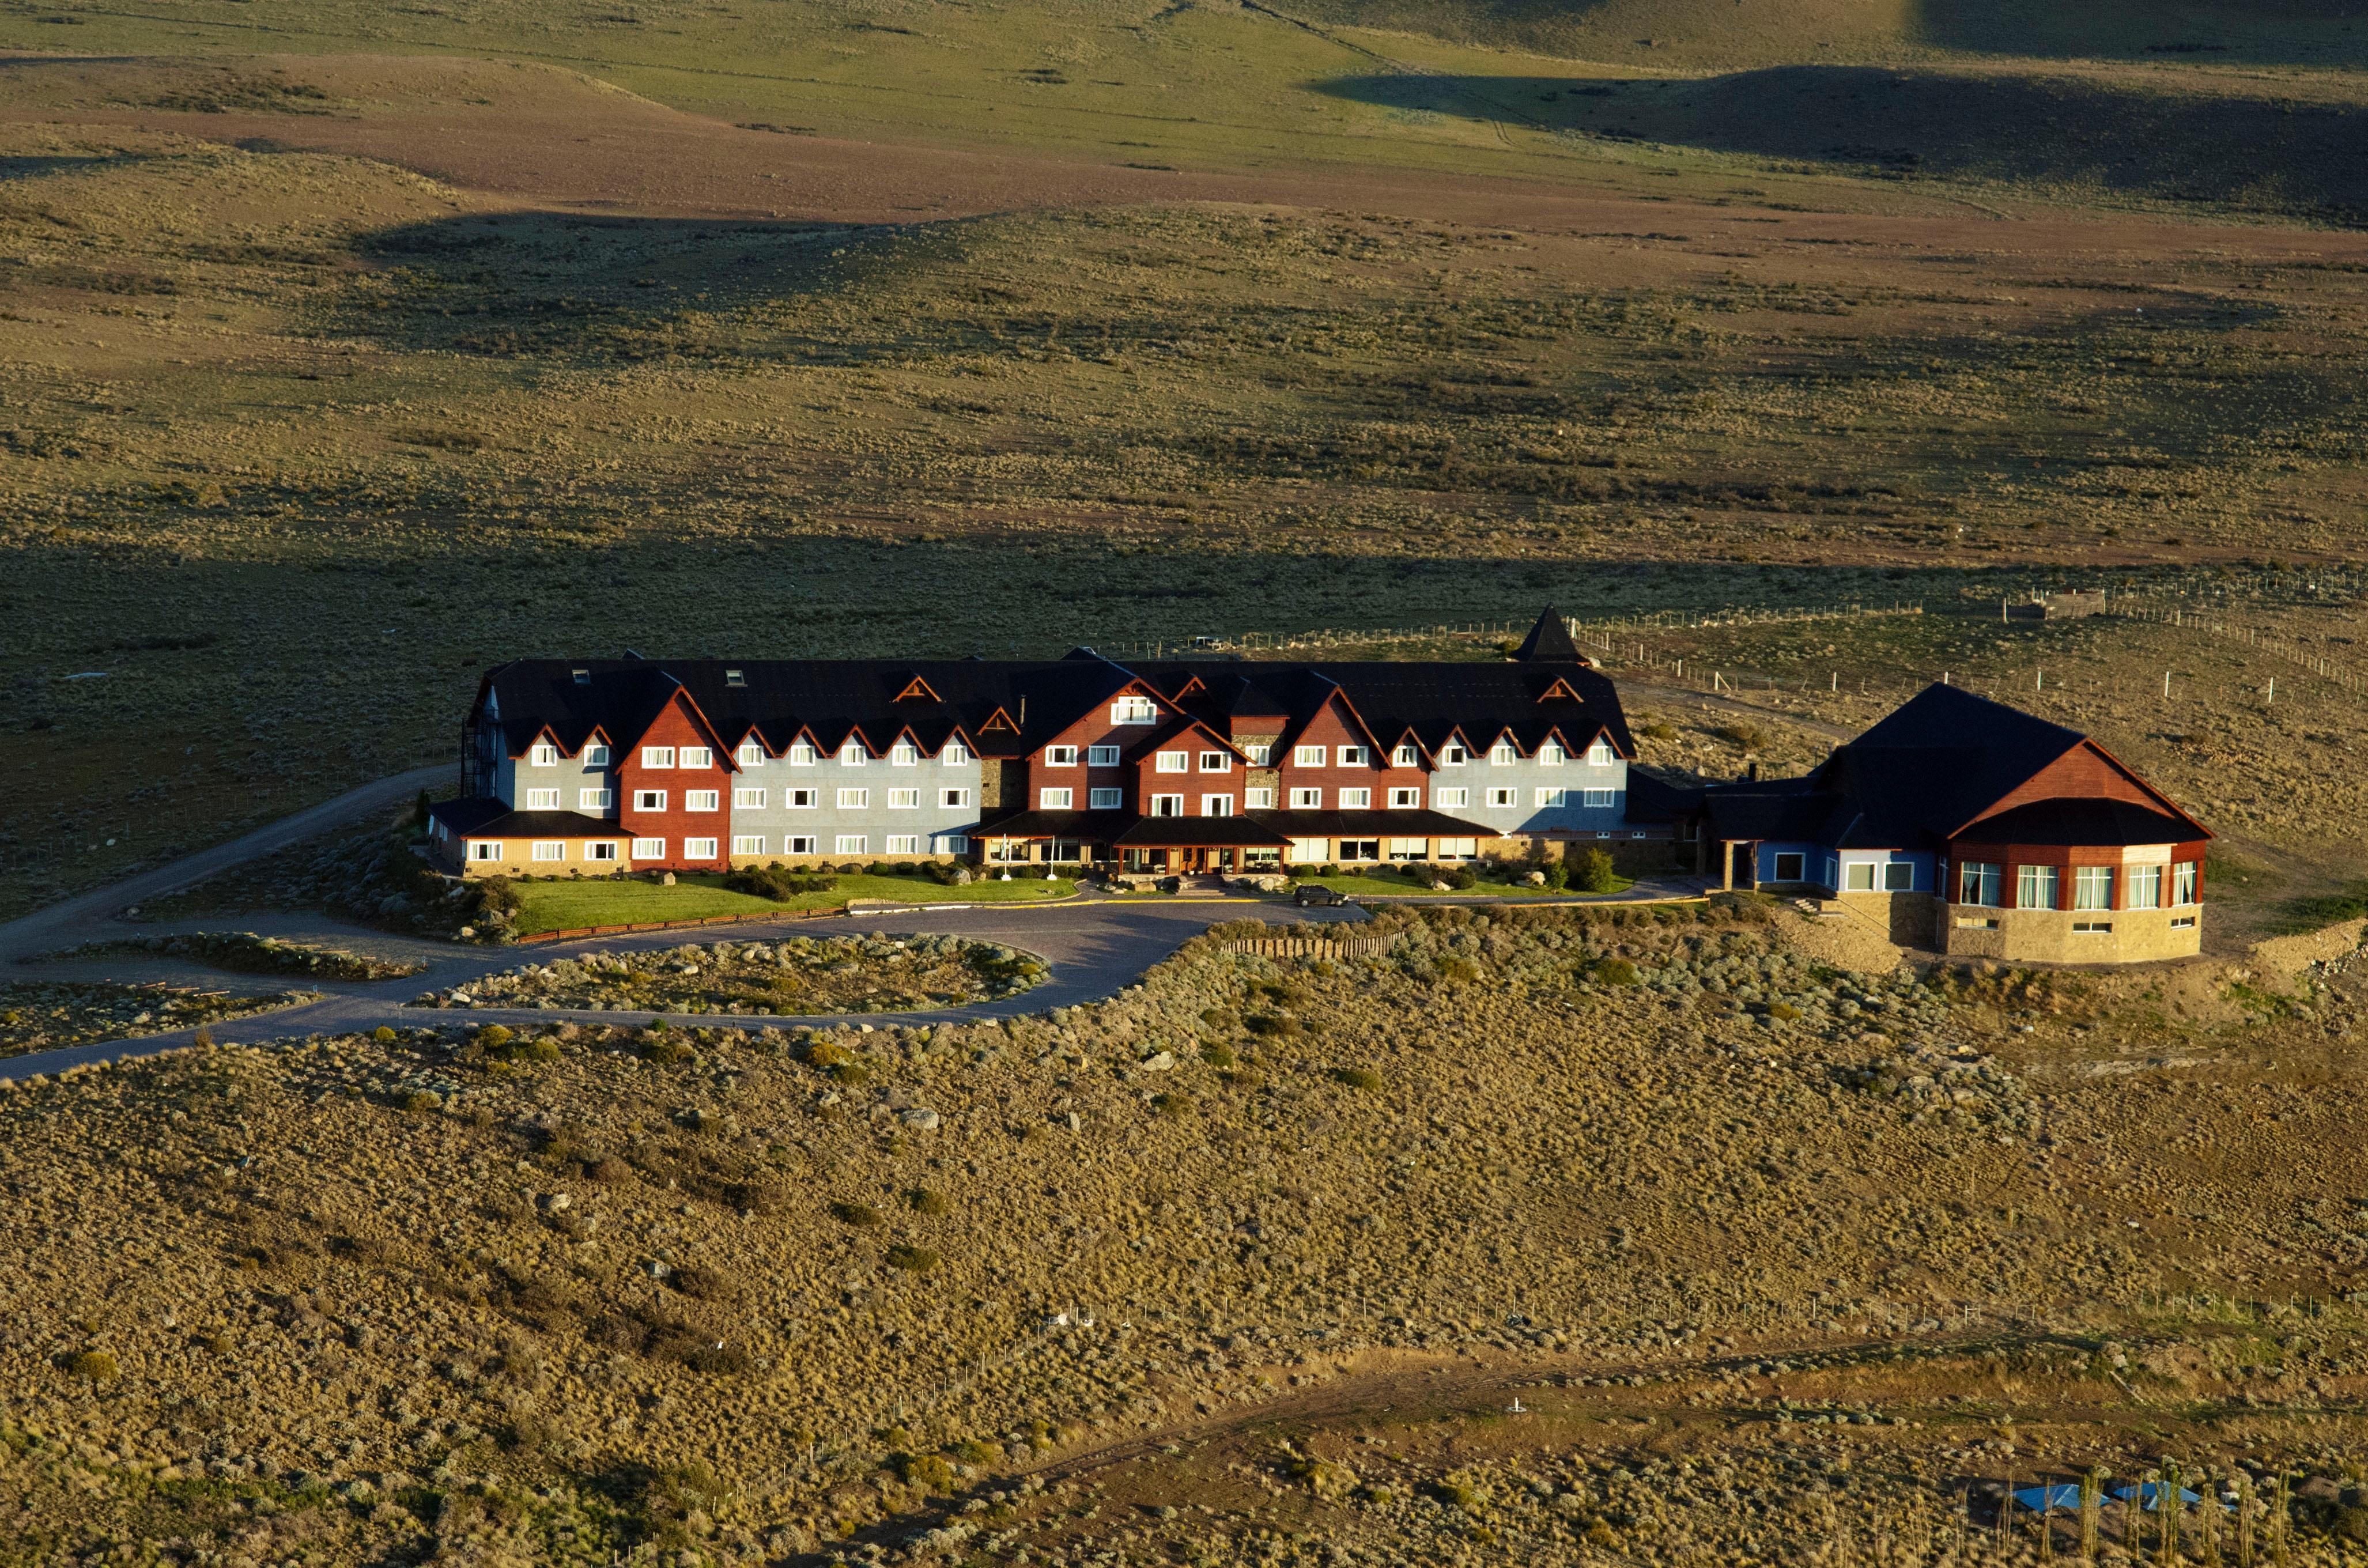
<point x="667" y="880"/>
<point x="921" y="1118"/>
<point x="1163" y="1062"/>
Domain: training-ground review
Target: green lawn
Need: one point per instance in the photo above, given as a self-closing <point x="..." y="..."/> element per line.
<point x="565" y="905"/>
<point x="1400" y="887"/>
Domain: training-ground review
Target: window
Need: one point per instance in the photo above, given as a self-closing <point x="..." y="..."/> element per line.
<point x="851" y="844"/>
<point x="595" y="756"/>
<point x="1899" y="875"/>
<point x="2034" y="887"/>
<point x="657" y="757"/>
<point x="649" y="800"/>
<point x="1502" y="754"/>
<point x="903" y="800"/>
<point x="1979" y="884"/>
<point x="543" y="800"/>
<point x="1457" y="848"/>
<point x="702" y="799"/>
<point x="583" y="677"/>
<point x="747" y="844"/>
<point x="1308" y="757"/>
<point x="606" y="849"/>
<point x="1443" y="799"/>
<point x="1354" y="756"/>
<point x="542" y="753"/>
<point x="1174" y="762"/>
<point x="1792" y="866"/>
<point x="1406" y="799"/>
<point x="1216" y="805"/>
<point x="1307" y="800"/>
<point x="1599" y="755"/>
<point x="1105" y="799"/>
<point x="903" y="755"/>
<point x="1101" y="756"/>
<point x="698" y="849"/>
<point x="1857" y="876"/>
<point x="1551" y="754"/>
<point x="751" y="755"/>
<point x="1307" y="851"/>
<point x="1452" y="754"/>
<point x="484" y="849"/>
<point x="1501" y="798"/>
<point x="853" y="800"/>
<point x="955" y="754"/>
<point x="953" y="843"/>
<point x="747" y="800"/>
<point x="2092" y="887"/>
<point x="1595" y="800"/>
<point x="956" y="800"/>
<point x="1054" y="799"/>
<point x="2091" y="928"/>
<point x="1356" y="800"/>
<point x="851" y="754"/>
<point x="800" y="844"/>
<point x="801" y="755"/>
<point x="903" y="843"/>
<point x="1260" y="753"/>
<point x="735" y="677"/>
<point x="2182" y="923"/>
<point x="697" y="756"/>
<point x="800" y="800"/>
<point x="594" y="799"/>
<point x="2182" y="883"/>
<point x="1360" y="849"/>
<point x="1405" y="848"/>
<point x="1060" y="756"/>
<point x="1552" y="798"/>
<point x="1215" y="762"/>
<point x="1405" y="756"/>
<point x="2144" y="890"/>
<point x="1168" y="805"/>
<point x="1134" y="711"/>
<point x="649" y="850"/>
<point x="1258" y="798"/>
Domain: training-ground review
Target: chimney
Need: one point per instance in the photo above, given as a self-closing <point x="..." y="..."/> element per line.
<point x="1751" y="771"/>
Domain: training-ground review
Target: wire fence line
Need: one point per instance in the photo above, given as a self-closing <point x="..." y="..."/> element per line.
<point x="1608" y="636"/>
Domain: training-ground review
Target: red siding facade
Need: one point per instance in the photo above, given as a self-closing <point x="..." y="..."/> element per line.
<point x="676" y="728"/>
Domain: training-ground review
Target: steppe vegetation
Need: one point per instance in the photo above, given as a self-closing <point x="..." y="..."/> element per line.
<point x="797" y="974"/>
<point x="45" y="1015"/>
<point x="244" y="952"/>
<point x="1766" y="1250"/>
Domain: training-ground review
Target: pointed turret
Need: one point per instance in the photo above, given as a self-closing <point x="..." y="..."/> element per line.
<point x="1549" y="642"/>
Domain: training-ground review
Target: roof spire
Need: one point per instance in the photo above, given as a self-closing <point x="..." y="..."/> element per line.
<point x="1549" y="642"/>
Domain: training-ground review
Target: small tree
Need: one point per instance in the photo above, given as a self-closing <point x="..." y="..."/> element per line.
<point x="1594" y="873"/>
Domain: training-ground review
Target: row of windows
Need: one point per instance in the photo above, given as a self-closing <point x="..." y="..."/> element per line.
<point x="605" y="851"/>
<point x="746" y="799"/>
<point x="904" y="753"/>
<point x="1062" y="799"/>
<point x="2093" y="887"/>
<point x="1261" y="753"/>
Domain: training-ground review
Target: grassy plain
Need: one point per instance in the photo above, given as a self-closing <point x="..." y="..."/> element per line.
<point x="558" y="905"/>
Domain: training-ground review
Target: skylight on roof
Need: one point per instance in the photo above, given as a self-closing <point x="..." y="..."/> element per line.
<point x="735" y="677"/>
<point x="582" y="677"/>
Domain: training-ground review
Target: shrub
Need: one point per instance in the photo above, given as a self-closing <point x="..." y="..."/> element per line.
<point x="1458" y="970"/>
<point x="850" y="1073"/>
<point x="859" y="1215"/>
<point x="664" y="1049"/>
<point x="776" y="883"/>
<point x="1748" y="736"/>
<point x="1613" y="972"/>
<point x="923" y="1200"/>
<point x="1658" y="730"/>
<point x="1218" y="1055"/>
<point x="1357" y="1077"/>
<point x="970" y="1450"/>
<point x="827" y="1054"/>
<point x="925" y="1470"/>
<point x="1595" y="873"/>
<point x="609" y="1171"/>
<point x="493" y="1036"/>
<point x="94" y="1366"/>
<point x="1784" y="1012"/>
<point x="383" y="1035"/>
<point x="1174" y="1105"/>
<point x="912" y="1259"/>
<point x="1459" y="876"/>
<point x="420" y="1100"/>
<point x="1557" y="874"/>
<point x="699" y="1284"/>
<point x="204" y="1036"/>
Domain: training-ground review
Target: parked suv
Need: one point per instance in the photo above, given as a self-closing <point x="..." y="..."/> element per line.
<point x="1311" y="893"/>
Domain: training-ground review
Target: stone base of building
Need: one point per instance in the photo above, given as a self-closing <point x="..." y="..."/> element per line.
<point x="2081" y="937"/>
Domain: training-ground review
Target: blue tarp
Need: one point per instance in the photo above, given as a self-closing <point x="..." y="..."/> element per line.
<point x="2064" y="1497"/>
<point x="2151" y="1494"/>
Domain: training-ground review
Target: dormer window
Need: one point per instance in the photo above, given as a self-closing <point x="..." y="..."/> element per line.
<point x="596" y="755"/>
<point x="1502" y="754"/>
<point x="1552" y="755"/>
<point x="851" y="754"/>
<point x="751" y="755"/>
<point x="1134" y="711"/>
<point x="803" y="754"/>
<point x="955" y="754"/>
<point x="1260" y="753"/>
<point x="1599" y="755"/>
<point x="1405" y="756"/>
<point x="1452" y="754"/>
<point x="542" y="753"/>
<point x="735" y="677"/>
<point x="1354" y="756"/>
<point x="583" y="677"/>
<point x="903" y="755"/>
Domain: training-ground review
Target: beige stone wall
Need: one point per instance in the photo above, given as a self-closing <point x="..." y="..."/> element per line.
<point x="517" y="860"/>
<point x="806" y="862"/>
<point x="2045" y="935"/>
<point x="1905" y="919"/>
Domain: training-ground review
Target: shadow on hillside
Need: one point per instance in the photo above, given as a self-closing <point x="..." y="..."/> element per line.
<point x="2257" y="32"/>
<point x="2243" y="151"/>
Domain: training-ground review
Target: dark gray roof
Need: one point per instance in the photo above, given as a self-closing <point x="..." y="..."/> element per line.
<point x="485" y="817"/>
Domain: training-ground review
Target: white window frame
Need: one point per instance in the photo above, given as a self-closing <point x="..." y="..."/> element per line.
<point x="747" y="844"/>
<point x="543" y="800"/>
<point x="1168" y="805"/>
<point x="649" y="850"/>
<point x="1303" y="799"/>
<point x="2087" y="881"/>
<point x="1597" y="799"/>
<point x="595" y="800"/>
<point x="1172" y="762"/>
<point x="1310" y="851"/>
<point x="1552" y="797"/>
<point x="804" y="800"/>
<point x="751" y="755"/>
<point x="1061" y="757"/>
<point x="1455" y="797"/>
<point x="1051" y="800"/>
<point x="542" y="753"/>
<point x="1453" y="754"/>
<point x="1105" y="799"/>
<point x="2149" y="879"/>
<point x="1101" y="756"/>
<point x="601" y="849"/>
<point x="1899" y="875"/>
<point x="596" y="755"/>
<point x="855" y="800"/>
<point x="649" y="800"/>
<point x="954" y="754"/>
<point x="1354" y="756"/>
<point x="904" y="753"/>
<point x="1260" y="753"/>
<point x="1551" y="754"/>
<point x="1499" y="799"/>
<point x="903" y="843"/>
<point x="696" y="757"/>
<point x="1406" y="799"/>
<point x="2028" y="880"/>
<point x="1258" y="798"/>
<point x="1216" y="805"/>
<point x="1356" y="799"/>
<point x="1456" y="848"/>
<point x="702" y="799"/>
<point x="2184" y="882"/>
<point x="698" y="849"/>
<point x="1800" y="858"/>
<point x="1307" y="756"/>
<point x="1406" y="756"/>
<point x="1134" y="710"/>
<point x="800" y="844"/>
<point x="747" y="800"/>
<point x="903" y="800"/>
<point x="484" y="849"/>
<point x="548" y="849"/>
<point x="852" y="753"/>
<point x="953" y="844"/>
<point x="1857" y="876"/>
<point x="803" y="754"/>
<point x="1502" y="754"/>
<point x="1216" y="762"/>
<point x="953" y="799"/>
<point x="1985" y="879"/>
<point x="852" y="844"/>
<point x="657" y="757"/>
<point x="1601" y="755"/>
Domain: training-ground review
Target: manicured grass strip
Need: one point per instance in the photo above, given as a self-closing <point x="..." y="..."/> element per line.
<point x="1403" y="887"/>
<point x="571" y="905"/>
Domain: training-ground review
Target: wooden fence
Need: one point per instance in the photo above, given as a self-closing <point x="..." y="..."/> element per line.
<point x="1610" y="636"/>
<point x="1309" y="947"/>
